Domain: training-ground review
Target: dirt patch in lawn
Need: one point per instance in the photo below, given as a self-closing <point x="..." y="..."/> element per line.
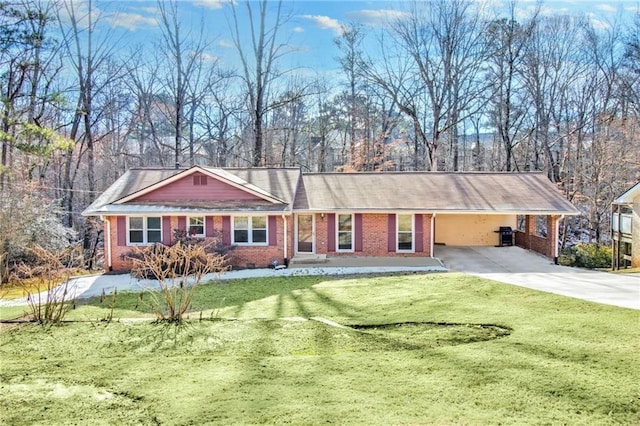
<point x="415" y="335"/>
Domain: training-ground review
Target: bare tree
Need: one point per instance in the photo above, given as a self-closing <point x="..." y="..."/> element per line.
<point x="550" y="68"/>
<point x="508" y="39"/>
<point x="435" y="77"/>
<point x="220" y="119"/>
<point x="259" y="63"/>
<point x="349" y="45"/>
<point x="186" y="74"/>
<point x="90" y="59"/>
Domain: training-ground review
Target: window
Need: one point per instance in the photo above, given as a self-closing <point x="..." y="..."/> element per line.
<point x="521" y="223"/>
<point x="250" y="230"/>
<point x="195" y="228"/>
<point x="145" y="230"/>
<point x="199" y="180"/>
<point x="405" y="232"/>
<point x="345" y="232"/>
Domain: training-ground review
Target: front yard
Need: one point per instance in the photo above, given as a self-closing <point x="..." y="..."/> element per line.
<point x="415" y="349"/>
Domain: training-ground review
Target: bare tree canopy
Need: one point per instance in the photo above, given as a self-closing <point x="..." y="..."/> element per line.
<point x="438" y="85"/>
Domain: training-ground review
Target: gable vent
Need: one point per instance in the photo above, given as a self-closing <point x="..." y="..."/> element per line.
<point x="199" y="180"/>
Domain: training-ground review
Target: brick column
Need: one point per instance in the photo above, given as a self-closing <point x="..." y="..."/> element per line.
<point x="552" y="236"/>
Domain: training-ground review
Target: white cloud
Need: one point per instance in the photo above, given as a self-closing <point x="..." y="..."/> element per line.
<point x="298" y="30"/>
<point x="210" y="4"/>
<point x="525" y="13"/>
<point x="79" y="12"/>
<point x="597" y="22"/>
<point x="207" y="57"/>
<point x="326" y="23"/>
<point x="225" y="44"/>
<point x="131" y="21"/>
<point x="606" y="8"/>
<point x="377" y="16"/>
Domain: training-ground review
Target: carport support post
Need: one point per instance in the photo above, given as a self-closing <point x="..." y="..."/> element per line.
<point x="555" y="222"/>
<point x="529" y="227"/>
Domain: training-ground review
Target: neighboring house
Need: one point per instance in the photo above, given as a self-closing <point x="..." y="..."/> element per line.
<point x="283" y="214"/>
<point x="625" y="229"/>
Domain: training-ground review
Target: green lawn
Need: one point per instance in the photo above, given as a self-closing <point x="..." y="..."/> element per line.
<point x="417" y="349"/>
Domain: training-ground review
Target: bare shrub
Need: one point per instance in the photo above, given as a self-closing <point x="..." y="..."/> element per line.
<point x="179" y="269"/>
<point x="45" y="280"/>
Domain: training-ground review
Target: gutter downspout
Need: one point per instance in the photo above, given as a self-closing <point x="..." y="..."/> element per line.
<point x="433" y="236"/>
<point x="107" y="245"/>
<point x="285" y="257"/>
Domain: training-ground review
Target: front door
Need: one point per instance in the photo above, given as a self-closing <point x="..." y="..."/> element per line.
<point x="305" y="234"/>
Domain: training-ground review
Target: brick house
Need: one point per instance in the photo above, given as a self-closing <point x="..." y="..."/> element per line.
<point x="284" y="214"/>
<point x="625" y="229"/>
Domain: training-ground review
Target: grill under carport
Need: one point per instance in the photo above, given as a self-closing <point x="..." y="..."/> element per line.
<point x="505" y="236"/>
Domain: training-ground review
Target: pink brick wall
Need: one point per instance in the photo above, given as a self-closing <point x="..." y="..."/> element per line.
<point x="374" y="237"/>
<point x="240" y="256"/>
<point x="543" y="245"/>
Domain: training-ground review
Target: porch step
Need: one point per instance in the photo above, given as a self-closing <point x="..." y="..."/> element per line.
<point x="308" y="258"/>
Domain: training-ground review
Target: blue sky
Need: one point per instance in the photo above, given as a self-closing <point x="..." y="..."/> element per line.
<point x="312" y="25"/>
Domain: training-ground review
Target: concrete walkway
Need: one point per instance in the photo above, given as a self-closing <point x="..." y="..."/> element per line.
<point x="511" y="265"/>
<point x="514" y="265"/>
<point x="96" y="285"/>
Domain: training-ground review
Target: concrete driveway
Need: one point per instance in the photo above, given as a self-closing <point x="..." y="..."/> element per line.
<point x="514" y="265"/>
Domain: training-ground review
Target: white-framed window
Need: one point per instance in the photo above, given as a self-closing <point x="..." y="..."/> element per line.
<point x="404" y="234"/>
<point x="195" y="226"/>
<point x="144" y="230"/>
<point x="345" y="232"/>
<point x="250" y="230"/>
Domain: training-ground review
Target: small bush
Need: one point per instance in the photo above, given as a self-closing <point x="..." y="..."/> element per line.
<point x="160" y="252"/>
<point x="179" y="269"/>
<point x="46" y="282"/>
<point x="586" y="256"/>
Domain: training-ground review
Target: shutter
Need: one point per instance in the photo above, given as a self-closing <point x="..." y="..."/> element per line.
<point x="418" y="234"/>
<point x="391" y="233"/>
<point x="273" y="230"/>
<point x="331" y="232"/>
<point x="121" y="225"/>
<point x="182" y="223"/>
<point x="358" y="232"/>
<point x="208" y="226"/>
<point x="166" y="230"/>
<point x="226" y="230"/>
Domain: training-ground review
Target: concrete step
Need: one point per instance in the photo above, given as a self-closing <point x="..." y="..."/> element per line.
<point x="308" y="258"/>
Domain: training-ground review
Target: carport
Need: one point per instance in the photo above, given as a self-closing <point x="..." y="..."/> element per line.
<point x="470" y="229"/>
<point x="472" y="215"/>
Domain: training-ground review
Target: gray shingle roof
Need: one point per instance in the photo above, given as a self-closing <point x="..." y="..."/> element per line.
<point x="279" y="183"/>
<point x="432" y="192"/>
<point x="525" y="193"/>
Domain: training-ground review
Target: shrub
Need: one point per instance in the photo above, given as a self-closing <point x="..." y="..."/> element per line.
<point x="28" y="219"/>
<point x="45" y="280"/>
<point x="586" y="256"/>
<point x="179" y="269"/>
<point x="211" y="246"/>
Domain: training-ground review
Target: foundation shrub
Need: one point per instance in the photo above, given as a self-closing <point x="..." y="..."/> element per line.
<point x="586" y="256"/>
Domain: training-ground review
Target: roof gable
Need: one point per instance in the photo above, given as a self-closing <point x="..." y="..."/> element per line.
<point x="172" y="191"/>
<point x="224" y="186"/>
<point x="196" y="186"/>
<point x="629" y="196"/>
